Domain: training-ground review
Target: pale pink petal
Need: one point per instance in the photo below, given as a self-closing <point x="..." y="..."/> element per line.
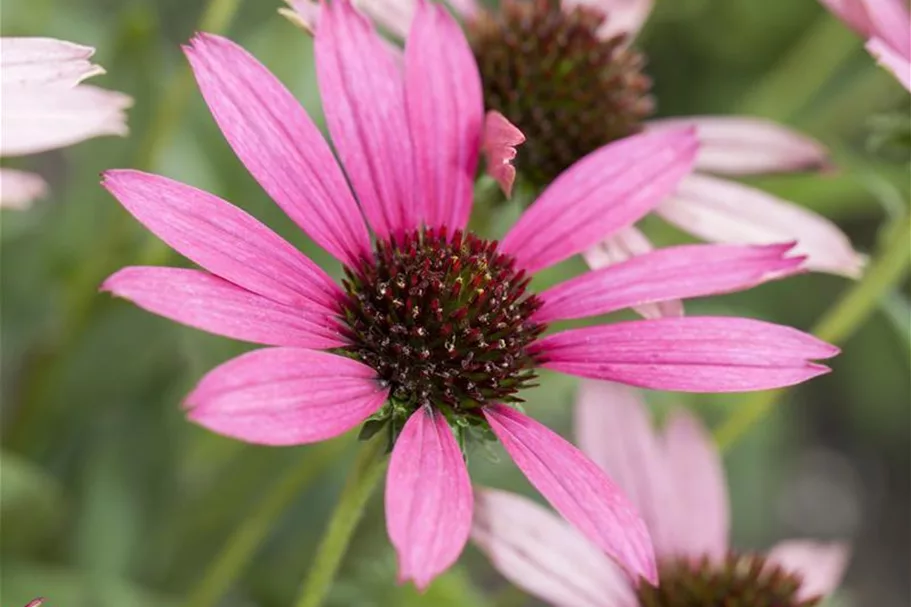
<point x="445" y="114"/>
<point x="394" y="16"/>
<point x="428" y="498"/>
<point x="223" y="239"/>
<point x="286" y="396"/>
<point x="542" y="554"/>
<point x="610" y="189"/>
<point x="577" y="489"/>
<point x="887" y="57"/>
<point x="465" y="8"/>
<point x="303" y="13"/>
<point x="278" y="143"/>
<point x="206" y="302"/>
<point x="723" y="211"/>
<point x="623" y="245"/>
<point x="364" y="102"/>
<point x="749" y="146"/>
<point x="623" y="16"/>
<point x="671" y="273"/>
<point x="36" y="602"/>
<point x="500" y="140"/>
<point x="698" y="509"/>
<point x="821" y="565"/>
<point x="613" y="428"/>
<point x="37" y="118"/>
<point x="891" y="23"/>
<point x="45" y="61"/>
<point x="18" y="189"/>
<point x="690" y="354"/>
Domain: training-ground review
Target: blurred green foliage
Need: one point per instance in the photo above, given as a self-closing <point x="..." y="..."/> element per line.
<point x="110" y="498"/>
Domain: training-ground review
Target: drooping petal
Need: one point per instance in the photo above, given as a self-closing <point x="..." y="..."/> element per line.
<point x="223" y="239"/>
<point x="623" y="16"/>
<point x="887" y="57"/>
<point x="500" y="140"/>
<point x="18" y="189"/>
<point x="671" y="273"/>
<point x="37" y="118"/>
<point x="821" y="565"/>
<point x="577" y="489"/>
<point x="45" y="61"/>
<point x="613" y="428"/>
<point x="606" y="191"/>
<point x="428" y="498"/>
<point x="892" y="24"/>
<point x="621" y="246"/>
<point x="364" y="102"/>
<point x="690" y="354"/>
<point x="748" y="146"/>
<point x="542" y="554"/>
<point x="278" y="143"/>
<point x="206" y="302"/>
<point x="723" y="211"/>
<point x="286" y="396"/>
<point x="884" y="19"/>
<point x="445" y="115"/>
<point x="699" y="504"/>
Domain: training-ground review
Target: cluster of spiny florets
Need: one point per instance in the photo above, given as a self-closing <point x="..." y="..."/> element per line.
<point x="567" y="88"/>
<point x="445" y="321"/>
<point x="741" y="580"/>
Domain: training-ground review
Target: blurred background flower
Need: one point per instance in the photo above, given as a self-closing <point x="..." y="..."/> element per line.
<point x="110" y="498"/>
<point x="45" y="107"/>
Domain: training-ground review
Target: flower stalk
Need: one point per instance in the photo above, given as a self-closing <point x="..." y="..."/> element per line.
<point x="362" y="481"/>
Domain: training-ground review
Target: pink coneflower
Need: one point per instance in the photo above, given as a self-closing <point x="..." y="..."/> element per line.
<point x="45" y="107"/>
<point x="435" y="329"/>
<point x="564" y="73"/>
<point x="676" y="480"/>
<point x="886" y="26"/>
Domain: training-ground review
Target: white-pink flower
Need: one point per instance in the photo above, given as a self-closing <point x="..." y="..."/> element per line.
<point x="886" y="26"/>
<point x="45" y="106"/>
<point x="676" y="480"/>
<point x="435" y="329"/>
<point x="602" y="96"/>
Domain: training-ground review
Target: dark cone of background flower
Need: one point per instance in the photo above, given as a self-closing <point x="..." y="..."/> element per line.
<point x="550" y="74"/>
<point x="740" y="581"/>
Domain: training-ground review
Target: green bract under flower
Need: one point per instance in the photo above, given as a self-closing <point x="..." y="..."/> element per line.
<point x="568" y="89"/>
<point x="748" y="580"/>
<point x="444" y="321"/>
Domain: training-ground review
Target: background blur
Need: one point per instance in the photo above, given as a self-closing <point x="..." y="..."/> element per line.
<point x="110" y="498"/>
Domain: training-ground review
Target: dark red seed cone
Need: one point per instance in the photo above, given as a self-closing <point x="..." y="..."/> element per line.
<point x="569" y="91"/>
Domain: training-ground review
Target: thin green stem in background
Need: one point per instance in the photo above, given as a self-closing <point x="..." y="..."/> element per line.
<point x="801" y="74"/>
<point x="363" y="479"/>
<point x="835" y="326"/>
<point x="246" y="539"/>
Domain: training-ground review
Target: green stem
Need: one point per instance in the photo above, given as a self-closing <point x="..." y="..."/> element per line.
<point x="362" y="480"/>
<point x="246" y="539"/>
<point x="835" y="326"/>
<point x="803" y="71"/>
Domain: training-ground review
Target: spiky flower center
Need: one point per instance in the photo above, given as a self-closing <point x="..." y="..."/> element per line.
<point x="741" y="580"/>
<point x="445" y="321"/>
<point x="551" y="73"/>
